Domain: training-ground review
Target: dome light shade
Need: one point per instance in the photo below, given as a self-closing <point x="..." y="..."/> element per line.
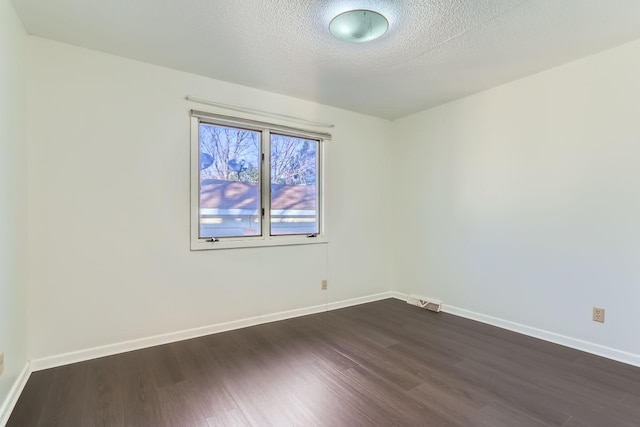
<point x="358" y="26"/>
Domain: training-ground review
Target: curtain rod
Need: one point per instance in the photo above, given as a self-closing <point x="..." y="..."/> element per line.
<point x="258" y="112"/>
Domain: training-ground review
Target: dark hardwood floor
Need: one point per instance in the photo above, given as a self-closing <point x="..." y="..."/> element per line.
<point x="380" y="364"/>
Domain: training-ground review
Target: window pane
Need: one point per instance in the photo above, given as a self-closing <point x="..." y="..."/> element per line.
<point x="229" y="181"/>
<point x="294" y="193"/>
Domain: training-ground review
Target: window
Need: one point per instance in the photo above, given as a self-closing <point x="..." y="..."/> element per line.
<point x="254" y="184"/>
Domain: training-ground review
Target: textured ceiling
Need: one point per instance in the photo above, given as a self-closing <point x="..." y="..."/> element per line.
<point x="435" y="50"/>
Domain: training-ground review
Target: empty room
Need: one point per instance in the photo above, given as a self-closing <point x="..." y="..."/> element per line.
<point x="320" y="213"/>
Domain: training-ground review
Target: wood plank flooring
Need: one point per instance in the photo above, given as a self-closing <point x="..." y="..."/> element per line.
<point x="380" y="364"/>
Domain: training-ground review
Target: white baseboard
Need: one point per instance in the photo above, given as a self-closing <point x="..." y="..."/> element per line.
<point x="137" y="344"/>
<point x="399" y="295"/>
<point x="357" y="301"/>
<point x="12" y="398"/>
<point x="589" y="347"/>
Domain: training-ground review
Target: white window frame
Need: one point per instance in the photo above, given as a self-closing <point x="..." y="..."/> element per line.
<point x="266" y="239"/>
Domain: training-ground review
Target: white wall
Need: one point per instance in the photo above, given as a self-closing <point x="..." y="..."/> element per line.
<point x="520" y="203"/>
<point x="109" y="207"/>
<point x="524" y="200"/>
<point x="13" y="232"/>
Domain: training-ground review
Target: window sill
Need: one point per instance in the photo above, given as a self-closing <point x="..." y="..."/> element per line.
<point x="203" y="245"/>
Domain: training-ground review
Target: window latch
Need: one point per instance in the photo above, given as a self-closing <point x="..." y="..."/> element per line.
<point x="312" y="235"/>
<point x="213" y="240"/>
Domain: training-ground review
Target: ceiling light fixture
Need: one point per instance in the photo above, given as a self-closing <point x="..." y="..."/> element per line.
<point x="358" y="26"/>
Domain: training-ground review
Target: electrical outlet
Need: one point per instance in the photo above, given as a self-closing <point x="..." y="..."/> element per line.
<point x="598" y="314"/>
<point x="1" y="363"/>
<point x="324" y="285"/>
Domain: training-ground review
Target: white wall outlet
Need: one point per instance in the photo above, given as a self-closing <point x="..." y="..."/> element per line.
<point x="324" y="285"/>
<point x="598" y="314"/>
